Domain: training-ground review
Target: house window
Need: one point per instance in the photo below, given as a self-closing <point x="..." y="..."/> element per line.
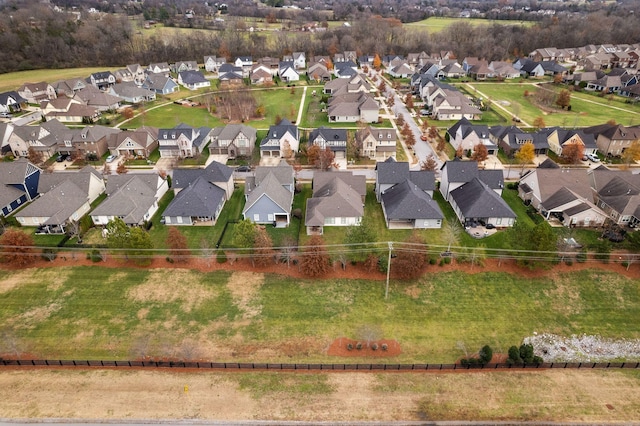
<point x="343" y="221"/>
<point x="67" y="143"/>
<point x="256" y="217"/>
<point x="179" y="219"/>
<point x="270" y="217"/>
<point x="9" y="209"/>
<point x="499" y="221"/>
<point x="329" y="220"/>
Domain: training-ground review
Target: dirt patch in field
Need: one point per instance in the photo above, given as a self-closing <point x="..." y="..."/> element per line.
<point x="54" y="278"/>
<point x="168" y="286"/>
<point x="244" y="286"/>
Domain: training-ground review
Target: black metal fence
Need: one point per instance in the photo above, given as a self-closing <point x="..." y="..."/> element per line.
<point x="306" y="367"/>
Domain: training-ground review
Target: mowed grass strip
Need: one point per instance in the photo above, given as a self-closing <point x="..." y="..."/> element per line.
<point x="94" y="312"/>
<point x="435" y="24"/>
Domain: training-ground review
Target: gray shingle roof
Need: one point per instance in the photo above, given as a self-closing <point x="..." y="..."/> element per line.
<point x="334" y="198"/>
<point x="477" y="200"/>
<point x="461" y="171"/>
<point x="272" y="188"/>
<point x="201" y="198"/>
<point x="58" y="204"/>
<point x="214" y="173"/>
<point x="129" y="198"/>
<point x="407" y="201"/>
<point x="390" y="173"/>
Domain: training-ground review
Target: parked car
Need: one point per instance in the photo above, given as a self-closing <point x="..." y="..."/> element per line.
<point x="592" y="157"/>
<point x="63" y="157"/>
<point x="110" y="158"/>
<point x="244" y="169"/>
<point x="5" y="115"/>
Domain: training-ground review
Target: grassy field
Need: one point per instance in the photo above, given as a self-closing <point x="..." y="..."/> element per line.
<point x="94" y="312"/>
<point x="586" y="109"/>
<point x="435" y="25"/>
<point x="13" y="80"/>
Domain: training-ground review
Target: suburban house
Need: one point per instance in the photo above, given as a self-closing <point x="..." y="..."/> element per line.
<point x="503" y="70"/>
<point x="69" y="87"/>
<point x="407" y="206"/>
<point x="512" y="138"/>
<point x="260" y="74"/>
<point x="98" y="99"/>
<point x="443" y="101"/>
<point x="160" y="84"/>
<point x="43" y="138"/>
<point x="563" y="195"/>
<point x="19" y="183"/>
<point x="269" y="195"/>
<point x="230" y="79"/>
<point x="183" y="141"/>
<point x="66" y="197"/>
<point x="244" y="62"/>
<point x="340" y="86"/>
<point x="140" y="142"/>
<point x="299" y="60"/>
<point x="90" y="142"/>
<point x="159" y="68"/>
<point x="11" y="102"/>
<point x="102" y="80"/>
<point x="182" y="66"/>
<point x="131" y="93"/>
<point x="345" y="69"/>
<point x="353" y="107"/>
<point x="215" y="173"/>
<point x="36" y="92"/>
<point x="464" y="135"/>
<point x="133" y="197"/>
<point x="138" y="72"/>
<point x="376" y="143"/>
<point x="287" y="72"/>
<point x="334" y="139"/>
<point x="193" y="80"/>
<point x="213" y="63"/>
<point x="282" y="140"/>
<point x="613" y="139"/>
<point x="318" y="72"/>
<point x="529" y="68"/>
<point x="474" y="202"/>
<point x="617" y="193"/>
<point x="558" y="139"/>
<point x="233" y="140"/>
<point x="68" y="110"/>
<point x="452" y="70"/>
<point x="338" y="200"/>
<point x="406" y="196"/>
<point x="402" y="70"/>
<point x="198" y="204"/>
<point x="456" y="173"/>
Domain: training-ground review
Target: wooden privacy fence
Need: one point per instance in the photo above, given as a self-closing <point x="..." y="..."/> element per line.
<point x="236" y="366"/>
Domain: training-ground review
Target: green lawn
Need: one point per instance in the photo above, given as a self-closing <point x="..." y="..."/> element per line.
<point x="121" y="313"/>
<point x="435" y="24"/>
<point x="198" y="235"/>
<point x="584" y="112"/>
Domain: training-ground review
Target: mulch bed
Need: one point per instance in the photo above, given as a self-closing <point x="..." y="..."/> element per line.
<point x="340" y="347"/>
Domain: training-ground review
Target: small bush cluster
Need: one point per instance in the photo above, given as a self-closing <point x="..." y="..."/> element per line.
<point x="523" y="355"/>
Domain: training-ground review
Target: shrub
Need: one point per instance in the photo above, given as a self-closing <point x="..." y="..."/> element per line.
<point x="568" y="262"/>
<point x="95" y="256"/>
<point x="349" y="346"/>
<point x="526" y="353"/>
<point x="514" y="355"/>
<point x="485" y="354"/>
<point x="581" y="257"/>
<point x="374" y="347"/>
<point x="433" y="260"/>
<point x="221" y="257"/>
<point x="359" y="345"/>
<point x="447" y="260"/>
<point x="170" y="260"/>
<point x="297" y="213"/>
<point x="49" y="254"/>
<point x="441" y="263"/>
<point x="384" y="346"/>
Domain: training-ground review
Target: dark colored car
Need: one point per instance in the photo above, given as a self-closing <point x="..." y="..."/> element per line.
<point x="243" y="169"/>
<point x="61" y="158"/>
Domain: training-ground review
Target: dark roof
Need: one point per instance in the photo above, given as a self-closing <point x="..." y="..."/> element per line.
<point x="192" y="77"/>
<point x="200" y="198"/>
<point x="392" y="172"/>
<point x="328" y="134"/>
<point x="214" y="172"/>
<point x="407" y="201"/>
<point x="494" y="179"/>
<point x="577" y="209"/>
<point x="461" y="171"/>
<point x="424" y="179"/>
<point x="548" y="164"/>
<point x="559" y="198"/>
<point x="13" y="94"/>
<point x="477" y="200"/>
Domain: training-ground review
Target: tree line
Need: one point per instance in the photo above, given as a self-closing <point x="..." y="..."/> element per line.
<point x="36" y="37"/>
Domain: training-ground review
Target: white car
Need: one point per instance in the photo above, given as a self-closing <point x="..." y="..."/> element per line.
<point x="111" y="158"/>
<point x="592" y="157"/>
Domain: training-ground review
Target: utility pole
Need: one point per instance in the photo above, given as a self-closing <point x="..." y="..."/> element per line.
<point x="386" y="290"/>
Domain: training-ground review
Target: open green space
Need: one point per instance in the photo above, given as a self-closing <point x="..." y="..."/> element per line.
<point x="436" y="24"/>
<point x="586" y="109"/>
<point x="94" y="312"/>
